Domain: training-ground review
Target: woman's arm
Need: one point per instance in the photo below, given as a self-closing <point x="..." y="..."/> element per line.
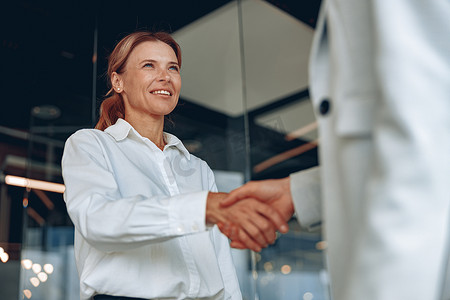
<point x="111" y="222"/>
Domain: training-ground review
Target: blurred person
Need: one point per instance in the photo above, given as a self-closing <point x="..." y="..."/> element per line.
<point x="142" y="205"/>
<point x="379" y="83"/>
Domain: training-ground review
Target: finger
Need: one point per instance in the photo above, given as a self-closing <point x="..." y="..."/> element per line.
<point x="247" y="238"/>
<point x="265" y="227"/>
<point x="248" y="242"/>
<point x="274" y="216"/>
<point x="224" y="229"/>
<point x="232" y="232"/>
<point x="247" y="217"/>
<point x="229" y="229"/>
<point x="254" y="225"/>
<point x="237" y="245"/>
<point x="232" y="198"/>
<point x="237" y="194"/>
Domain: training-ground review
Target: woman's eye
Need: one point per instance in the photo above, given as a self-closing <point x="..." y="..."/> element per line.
<point x="148" y="65"/>
<point x="175" y="68"/>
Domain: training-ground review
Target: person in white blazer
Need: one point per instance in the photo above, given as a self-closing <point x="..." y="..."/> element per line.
<point x="380" y="85"/>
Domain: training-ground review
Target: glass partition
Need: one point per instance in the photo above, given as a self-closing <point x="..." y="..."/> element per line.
<point x="244" y="109"/>
<point x="282" y="139"/>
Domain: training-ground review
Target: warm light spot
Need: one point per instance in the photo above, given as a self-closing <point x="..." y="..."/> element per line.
<point x="286" y="269"/>
<point x="48" y="268"/>
<point x="255" y="275"/>
<point x="27" y="264"/>
<point x="15" y="180"/>
<point x="34" y="184"/>
<point x="308" y="296"/>
<point x="36" y="268"/>
<point x="301" y="131"/>
<point x="42" y="277"/>
<point x="4" y="257"/>
<point x="25" y="202"/>
<point x="322" y="245"/>
<point x="268" y="266"/>
<point x="27" y="293"/>
<point x="2" y="250"/>
<point x="285" y="156"/>
<point x="34" y="281"/>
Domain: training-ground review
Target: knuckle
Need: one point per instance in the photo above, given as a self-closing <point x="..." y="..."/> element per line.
<point x="266" y="226"/>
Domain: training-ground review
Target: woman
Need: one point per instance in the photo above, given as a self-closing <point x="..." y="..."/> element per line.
<point x="138" y="199"/>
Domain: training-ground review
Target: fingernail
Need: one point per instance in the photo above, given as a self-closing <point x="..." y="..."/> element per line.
<point x="284" y="228"/>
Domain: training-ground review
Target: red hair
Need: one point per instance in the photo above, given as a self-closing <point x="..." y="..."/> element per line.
<point x="112" y="108"/>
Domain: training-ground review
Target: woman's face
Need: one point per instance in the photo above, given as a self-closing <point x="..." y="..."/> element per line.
<point x="151" y="82"/>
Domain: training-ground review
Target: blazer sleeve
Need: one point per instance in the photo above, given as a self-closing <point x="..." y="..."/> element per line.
<point x="306" y="194"/>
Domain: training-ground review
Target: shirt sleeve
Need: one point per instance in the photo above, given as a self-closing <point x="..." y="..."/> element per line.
<point x="306" y="194"/>
<point x="223" y="253"/>
<point x="110" y="222"/>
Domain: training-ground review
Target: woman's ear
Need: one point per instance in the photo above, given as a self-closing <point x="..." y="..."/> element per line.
<point x="116" y="82"/>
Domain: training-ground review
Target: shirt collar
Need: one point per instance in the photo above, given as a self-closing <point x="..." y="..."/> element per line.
<point x="122" y="129"/>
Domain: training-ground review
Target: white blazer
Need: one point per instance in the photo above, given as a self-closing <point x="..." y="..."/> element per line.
<point x="380" y="85"/>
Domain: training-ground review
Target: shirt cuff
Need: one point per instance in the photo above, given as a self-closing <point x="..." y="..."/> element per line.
<point x="306" y="195"/>
<point x="187" y="213"/>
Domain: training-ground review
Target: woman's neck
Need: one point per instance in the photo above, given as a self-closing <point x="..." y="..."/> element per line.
<point x="149" y="127"/>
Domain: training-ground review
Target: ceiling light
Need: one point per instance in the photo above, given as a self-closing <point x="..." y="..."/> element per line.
<point x="35" y="184"/>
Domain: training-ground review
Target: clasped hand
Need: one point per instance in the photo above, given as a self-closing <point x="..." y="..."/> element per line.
<point x="250" y="215"/>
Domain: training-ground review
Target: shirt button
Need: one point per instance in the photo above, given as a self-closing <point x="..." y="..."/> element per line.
<point x="180" y="229"/>
<point x="324" y="107"/>
<point x="195" y="227"/>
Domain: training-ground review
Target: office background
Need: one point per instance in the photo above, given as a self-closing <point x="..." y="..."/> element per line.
<point x="244" y="108"/>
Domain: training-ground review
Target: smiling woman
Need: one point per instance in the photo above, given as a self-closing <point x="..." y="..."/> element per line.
<point x="149" y="86"/>
<point x="143" y="207"/>
<point x="113" y="106"/>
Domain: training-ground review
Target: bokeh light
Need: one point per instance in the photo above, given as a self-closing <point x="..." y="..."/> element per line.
<point x="34" y="281"/>
<point x="27" y="294"/>
<point x="4" y="257"/>
<point x="42" y="276"/>
<point x="27" y="264"/>
<point x="268" y="266"/>
<point x="36" y="268"/>
<point x="322" y="245"/>
<point x="48" y="268"/>
<point x="286" y="269"/>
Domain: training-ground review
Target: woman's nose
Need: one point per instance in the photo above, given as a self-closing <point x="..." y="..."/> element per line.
<point x="164" y="75"/>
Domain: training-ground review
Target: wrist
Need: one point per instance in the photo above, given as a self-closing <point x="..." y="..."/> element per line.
<point x="213" y="211"/>
<point x="288" y="202"/>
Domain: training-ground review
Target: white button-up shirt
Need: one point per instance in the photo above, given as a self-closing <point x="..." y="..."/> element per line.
<point x="139" y="216"/>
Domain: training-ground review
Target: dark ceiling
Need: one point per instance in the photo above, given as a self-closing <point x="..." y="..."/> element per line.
<point x="46" y="48"/>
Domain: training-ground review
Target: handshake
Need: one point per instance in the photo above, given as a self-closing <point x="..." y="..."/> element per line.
<point x="250" y="215"/>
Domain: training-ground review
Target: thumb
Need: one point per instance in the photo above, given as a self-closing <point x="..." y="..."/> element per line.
<point x="234" y="196"/>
